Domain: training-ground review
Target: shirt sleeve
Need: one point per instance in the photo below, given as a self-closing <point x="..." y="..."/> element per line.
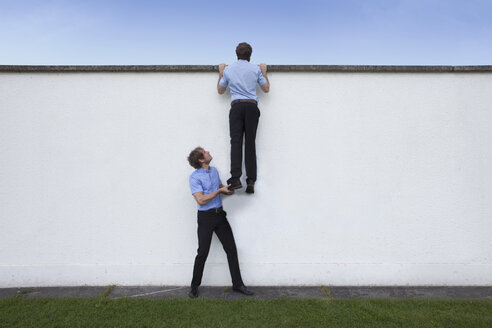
<point x="224" y="81"/>
<point x="195" y="185"/>
<point x="261" y="78"/>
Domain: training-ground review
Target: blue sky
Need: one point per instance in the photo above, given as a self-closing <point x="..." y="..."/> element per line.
<point x="352" y="32"/>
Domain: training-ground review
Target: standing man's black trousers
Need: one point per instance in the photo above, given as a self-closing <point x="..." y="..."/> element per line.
<point x="208" y="222"/>
<point x="243" y="120"/>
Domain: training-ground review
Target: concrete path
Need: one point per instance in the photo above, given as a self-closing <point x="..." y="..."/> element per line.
<point x="346" y="292"/>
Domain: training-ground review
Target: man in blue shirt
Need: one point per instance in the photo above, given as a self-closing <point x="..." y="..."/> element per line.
<point x="242" y="78"/>
<point x="206" y="187"/>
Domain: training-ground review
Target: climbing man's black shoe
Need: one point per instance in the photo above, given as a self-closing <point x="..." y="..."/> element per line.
<point x="250" y="188"/>
<point x="243" y="290"/>
<point x="193" y="292"/>
<point x="234" y="183"/>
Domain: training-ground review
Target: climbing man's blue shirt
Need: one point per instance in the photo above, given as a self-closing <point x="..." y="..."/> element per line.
<point x="242" y="78"/>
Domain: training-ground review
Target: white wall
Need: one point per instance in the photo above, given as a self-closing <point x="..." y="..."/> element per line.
<point x="364" y="179"/>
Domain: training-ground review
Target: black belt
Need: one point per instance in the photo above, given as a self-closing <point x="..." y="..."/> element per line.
<point x="213" y="210"/>
<point x="243" y="100"/>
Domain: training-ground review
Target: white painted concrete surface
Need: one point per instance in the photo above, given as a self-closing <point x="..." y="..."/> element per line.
<point x="364" y="179"/>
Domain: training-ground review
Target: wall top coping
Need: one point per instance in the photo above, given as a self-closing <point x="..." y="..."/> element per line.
<point x="271" y="68"/>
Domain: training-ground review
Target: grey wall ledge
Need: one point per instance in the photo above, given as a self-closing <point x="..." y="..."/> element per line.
<point x="271" y="68"/>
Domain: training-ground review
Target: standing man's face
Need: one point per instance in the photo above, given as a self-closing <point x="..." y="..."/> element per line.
<point x="207" y="158"/>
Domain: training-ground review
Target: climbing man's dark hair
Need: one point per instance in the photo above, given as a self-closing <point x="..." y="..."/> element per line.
<point x="244" y="51"/>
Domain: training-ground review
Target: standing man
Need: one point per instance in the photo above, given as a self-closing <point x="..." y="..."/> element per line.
<point x="206" y="187"/>
<point x="242" y="77"/>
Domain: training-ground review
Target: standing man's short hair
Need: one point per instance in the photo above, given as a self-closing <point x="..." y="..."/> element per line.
<point x="244" y="51"/>
<point x="195" y="156"/>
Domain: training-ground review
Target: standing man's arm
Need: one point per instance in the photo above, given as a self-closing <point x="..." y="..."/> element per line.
<point x="221" y="89"/>
<point x="266" y="86"/>
<point x="203" y="199"/>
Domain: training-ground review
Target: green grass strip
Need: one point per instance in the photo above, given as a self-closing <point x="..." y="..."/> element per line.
<point x="126" y="312"/>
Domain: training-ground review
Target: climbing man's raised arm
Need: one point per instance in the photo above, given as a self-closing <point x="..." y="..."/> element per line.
<point x="221" y="89"/>
<point x="266" y="86"/>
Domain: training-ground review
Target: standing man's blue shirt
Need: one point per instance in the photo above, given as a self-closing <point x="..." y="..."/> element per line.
<point x="206" y="181"/>
<point x="242" y="77"/>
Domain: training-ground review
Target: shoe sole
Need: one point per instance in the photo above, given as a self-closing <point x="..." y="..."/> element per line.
<point x="235" y="187"/>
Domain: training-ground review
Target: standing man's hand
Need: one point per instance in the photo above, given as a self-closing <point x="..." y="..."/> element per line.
<point x="221" y="89"/>
<point x="225" y="190"/>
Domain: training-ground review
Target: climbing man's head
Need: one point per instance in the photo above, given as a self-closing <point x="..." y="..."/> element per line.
<point x="244" y="51"/>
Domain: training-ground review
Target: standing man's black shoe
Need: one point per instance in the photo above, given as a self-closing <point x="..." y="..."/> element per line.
<point x="250" y="189"/>
<point x="193" y="292"/>
<point x="234" y="183"/>
<point x="243" y="290"/>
